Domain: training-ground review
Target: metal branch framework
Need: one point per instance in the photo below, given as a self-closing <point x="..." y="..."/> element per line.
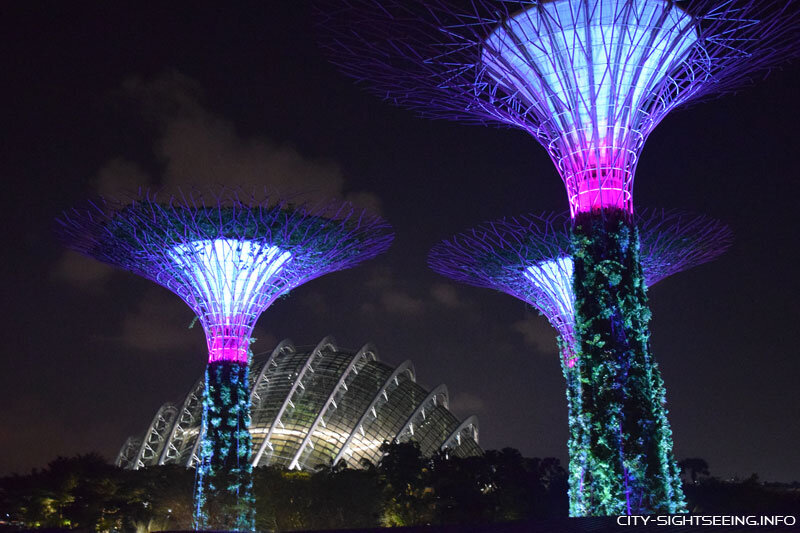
<point x="529" y="257"/>
<point x="228" y="256"/>
<point x="350" y="404"/>
<point x="589" y="79"/>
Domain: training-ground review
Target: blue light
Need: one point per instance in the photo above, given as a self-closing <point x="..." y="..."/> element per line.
<point x="553" y="278"/>
<point x="230" y="274"/>
<point x="587" y="59"/>
<point x="592" y="72"/>
<point x="233" y="282"/>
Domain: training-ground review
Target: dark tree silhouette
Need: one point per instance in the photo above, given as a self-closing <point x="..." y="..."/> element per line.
<point x="694" y="466"/>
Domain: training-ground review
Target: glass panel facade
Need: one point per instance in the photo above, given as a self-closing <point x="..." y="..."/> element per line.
<point x="350" y="402"/>
<point x="280" y="380"/>
<point x="304" y="406"/>
<point x="432" y="430"/>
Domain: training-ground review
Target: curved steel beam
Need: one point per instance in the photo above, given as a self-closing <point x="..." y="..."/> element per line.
<point x="405" y="366"/>
<point x="154" y="438"/>
<point x="285" y="344"/>
<point x="469" y="422"/>
<point x="431" y="397"/>
<point x="193" y="457"/>
<point x="327" y="341"/>
<point x="179" y="424"/>
<point x="366" y="352"/>
<point x="124" y="459"/>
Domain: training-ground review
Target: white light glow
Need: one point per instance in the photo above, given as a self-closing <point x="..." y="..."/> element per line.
<point x="230" y="273"/>
<point x="593" y="73"/>
<point x="588" y="59"/>
<point x="553" y="278"/>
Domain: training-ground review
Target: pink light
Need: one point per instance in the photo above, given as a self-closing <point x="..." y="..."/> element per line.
<point x="592" y="76"/>
<point x="228" y="343"/>
<point x="599" y="179"/>
<point x="601" y="193"/>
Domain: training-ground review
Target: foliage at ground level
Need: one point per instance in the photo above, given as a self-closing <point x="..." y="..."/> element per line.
<point x="86" y="493"/>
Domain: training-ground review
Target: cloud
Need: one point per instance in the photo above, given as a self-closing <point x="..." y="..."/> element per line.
<point x="395" y="301"/>
<point x="466" y="404"/>
<point x="537" y="333"/>
<point x="390" y="295"/>
<point x="447" y="295"/>
<point x="120" y="175"/>
<point x="159" y="325"/>
<point x="199" y="148"/>
<point x="83" y="271"/>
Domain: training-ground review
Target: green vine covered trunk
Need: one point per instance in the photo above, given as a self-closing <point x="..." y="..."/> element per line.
<point x="224" y="486"/>
<point x="577" y="444"/>
<point x="630" y="468"/>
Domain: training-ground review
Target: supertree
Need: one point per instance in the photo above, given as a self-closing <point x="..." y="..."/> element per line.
<point x="228" y="255"/>
<point x="589" y="79"/>
<point x="529" y="258"/>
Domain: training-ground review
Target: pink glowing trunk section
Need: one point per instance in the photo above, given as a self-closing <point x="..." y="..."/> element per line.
<point x="228" y="344"/>
<point x="604" y="187"/>
<point x="587" y="72"/>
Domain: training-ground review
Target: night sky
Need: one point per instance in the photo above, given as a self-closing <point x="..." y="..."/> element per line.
<point x="99" y="98"/>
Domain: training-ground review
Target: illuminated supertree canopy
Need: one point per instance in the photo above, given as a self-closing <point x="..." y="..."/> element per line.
<point x="529" y="258"/>
<point x="589" y="79"/>
<point x="228" y="256"/>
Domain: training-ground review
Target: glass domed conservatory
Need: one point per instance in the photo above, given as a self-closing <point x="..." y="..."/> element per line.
<point x="316" y="405"/>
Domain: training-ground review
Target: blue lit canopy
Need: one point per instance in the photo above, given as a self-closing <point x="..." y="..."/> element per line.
<point x="227" y="255"/>
<point x="589" y="79"/>
<point x="231" y="274"/>
<point x="529" y="257"/>
<point x="593" y="72"/>
<point x="552" y="281"/>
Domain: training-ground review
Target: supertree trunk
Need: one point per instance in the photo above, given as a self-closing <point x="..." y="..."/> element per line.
<point x="229" y="257"/>
<point x="223" y="486"/>
<point x="578" y="437"/>
<point x="630" y="468"/>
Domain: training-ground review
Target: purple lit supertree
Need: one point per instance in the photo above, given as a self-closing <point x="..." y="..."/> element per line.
<point x="529" y="258"/>
<point x="589" y="79"/>
<point x="228" y="256"/>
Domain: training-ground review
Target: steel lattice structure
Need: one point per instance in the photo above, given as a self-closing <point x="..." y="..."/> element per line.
<point x="228" y="255"/>
<point x="343" y="409"/>
<point x="589" y="79"/>
<point x="529" y="257"/>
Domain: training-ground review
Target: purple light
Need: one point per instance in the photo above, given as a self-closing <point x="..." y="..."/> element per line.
<point x="589" y="79"/>
<point x="228" y="259"/>
<point x="230" y="274"/>
<point x="552" y="279"/>
<point x="590" y="68"/>
<point x="529" y="258"/>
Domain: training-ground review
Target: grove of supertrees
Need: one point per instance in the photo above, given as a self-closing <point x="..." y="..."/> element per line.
<point x="589" y="79"/>
<point x="529" y="258"/>
<point x="228" y="255"/>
